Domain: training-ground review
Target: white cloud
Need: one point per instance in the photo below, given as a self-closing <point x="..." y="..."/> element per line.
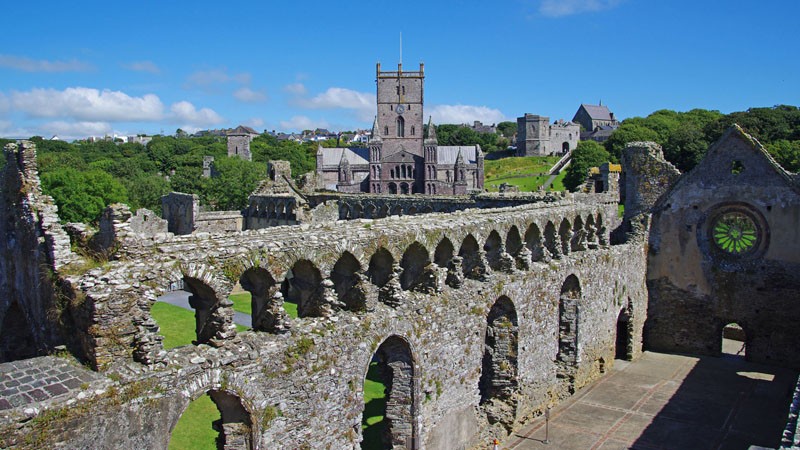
<point x="361" y="102"/>
<point x="457" y="114"/>
<point x="561" y="8"/>
<point x="42" y="65"/>
<point x="248" y="95"/>
<point x="143" y="66"/>
<point x="255" y="122"/>
<point x="295" y="88"/>
<point x="300" y="123"/>
<point x="88" y="104"/>
<point x="185" y="113"/>
<point x="207" y="78"/>
<point x="72" y="130"/>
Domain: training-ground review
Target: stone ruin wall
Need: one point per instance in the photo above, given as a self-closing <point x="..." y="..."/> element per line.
<point x="300" y="394"/>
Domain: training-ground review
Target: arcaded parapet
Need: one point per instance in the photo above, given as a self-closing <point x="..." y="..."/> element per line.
<point x="180" y="211"/>
<point x="647" y="176"/>
<point x="725" y="248"/>
<point x="34" y="248"/>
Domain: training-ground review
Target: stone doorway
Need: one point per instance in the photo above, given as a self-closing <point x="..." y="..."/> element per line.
<point x="16" y="338"/>
<point x="225" y="424"/>
<point x="498" y="382"/>
<point x="734" y="341"/>
<point x="622" y="347"/>
<point x="391" y="366"/>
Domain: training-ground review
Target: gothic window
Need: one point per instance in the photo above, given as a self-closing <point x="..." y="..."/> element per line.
<point x="398" y="90"/>
<point x="385" y="131"/>
<point x="391" y="173"/>
<point x="412" y="130"/>
<point x="404" y="90"/>
<point x="401" y="125"/>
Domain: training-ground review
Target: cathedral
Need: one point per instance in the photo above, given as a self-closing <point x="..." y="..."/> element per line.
<point x="400" y="158"/>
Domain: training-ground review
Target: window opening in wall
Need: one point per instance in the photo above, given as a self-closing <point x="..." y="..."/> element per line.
<point x="735" y="233"/>
<point x="401" y="124"/>
<point x="736" y="167"/>
<point x="734" y="341"/>
<point x="214" y="420"/>
<point x="622" y="349"/>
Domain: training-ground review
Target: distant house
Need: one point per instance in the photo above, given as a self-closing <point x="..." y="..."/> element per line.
<point x="239" y="141"/>
<point x="481" y="128"/>
<point x="597" y="121"/>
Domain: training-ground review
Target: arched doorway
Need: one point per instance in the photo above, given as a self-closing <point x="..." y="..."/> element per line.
<point x="734" y="341"/>
<point x="392" y="366"/>
<point x="623" y="348"/>
<point x="215" y="420"/>
<point x="16" y="337"/>
<point x="567" y="358"/>
<point x="302" y="287"/>
<point x="498" y="382"/>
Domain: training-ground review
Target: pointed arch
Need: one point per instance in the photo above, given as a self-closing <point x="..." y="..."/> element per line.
<point x="416" y="265"/>
<point x="302" y="286"/>
<point x="498" y="382"/>
<point x="565" y="236"/>
<point x="513" y="241"/>
<point x="578" y="241"/>
<point x="401" y="126"/>
<point x="551" y="240"/>
<point x="444" y="252"/>
<point x="393" y="364"/>
<point x="346" y="279"/>
<point x="568" y="323"/>
<point x="204" y="301"/>
<point x="533" y="241"/>
<point x="380" y="267"/>
<point x="261" y="285"/>
<point x="233" y="420"/>
<point x="493" y="248"/>
<point x="472" y="260"/>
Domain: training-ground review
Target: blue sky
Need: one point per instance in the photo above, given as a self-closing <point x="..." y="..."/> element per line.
<point x="89" y="68"/>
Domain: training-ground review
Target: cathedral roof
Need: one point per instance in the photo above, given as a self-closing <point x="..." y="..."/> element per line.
<point x="447" y="154"/>
<point x="355" y="155"/>
<point x="598" y="112"/>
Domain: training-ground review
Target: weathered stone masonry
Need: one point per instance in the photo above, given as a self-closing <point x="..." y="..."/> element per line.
<point x="438" y="289"/>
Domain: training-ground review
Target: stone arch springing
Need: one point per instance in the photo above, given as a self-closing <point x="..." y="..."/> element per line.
<point x="393" y="364"/>
<point x="211" y="321"/>
<point x="417" y="272"/>
<point x="383" y="211"/>
<point x="233" y="422"/>
<point x="16" y="335"/>
<point x="623" y="347"/>
<point x="357" y="211"/>
<point x="578" y="241"/>
<point x="498" y="383"/>
<point x="565" y="236"/>
<point x="344" y="212"/>
<point x="397" y="210"/>
<point x="551" y="241"/>
<point x="380" y="267"/>
<point x="302" y="286"/>
<point x="533" y="241"/>
<point x="267" y="308"/>
<point x="348" y="282"/>
<point x="472" y="260"/>
<point x="568" y="322"/>
<point x="412" y="210"/>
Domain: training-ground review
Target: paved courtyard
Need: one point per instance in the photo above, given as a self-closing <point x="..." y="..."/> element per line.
<point x="664" y="401"/>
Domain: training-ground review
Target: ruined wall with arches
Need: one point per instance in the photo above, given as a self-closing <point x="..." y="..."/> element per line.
<point x="461" y="308"/>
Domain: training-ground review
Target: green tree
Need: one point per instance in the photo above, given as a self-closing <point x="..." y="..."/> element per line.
<point x="586" y="155"/>
<point x="628" y="132"/>
<point x="236" y="179"/>
<point x="786" y="153"/>
<point x="81" y="196"/>
<point x="507" y="129"/>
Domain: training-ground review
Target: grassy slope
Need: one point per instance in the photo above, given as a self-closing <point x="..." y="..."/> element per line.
<point x="527" y="172"/>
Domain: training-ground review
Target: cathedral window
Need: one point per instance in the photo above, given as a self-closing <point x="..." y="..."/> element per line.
<point x="385" y="131"/>
<point x="404" y="90"/>
<point x="412" y="130"/>
<point x="401" y="125"/>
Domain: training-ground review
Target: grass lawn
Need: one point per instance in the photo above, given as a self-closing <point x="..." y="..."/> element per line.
<point x="558" y="183"/>
<point x="374" y="408"/>
<point x="241" y="303"/>
<point x="526" y="172"/>
<point x="177" y="324"/>
<point x="194" y="430"/>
